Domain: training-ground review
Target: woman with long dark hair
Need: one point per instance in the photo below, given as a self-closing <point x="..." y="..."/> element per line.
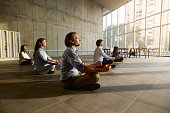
<point x="43" y="64"/>
<point x="24" y="59"/>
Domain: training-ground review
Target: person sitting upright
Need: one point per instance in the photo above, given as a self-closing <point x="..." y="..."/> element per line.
<point x="43" y="64"/>
<point x="24" y="59"/>
<point x="100" y="56"/>
<point x="76" y="74"/>
<point x="116" y="54"/>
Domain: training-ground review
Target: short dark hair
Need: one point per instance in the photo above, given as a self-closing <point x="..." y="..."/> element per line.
<point x="98" y="42"/>
<point x="115" y="48"/>
<point x="69" y="36"/>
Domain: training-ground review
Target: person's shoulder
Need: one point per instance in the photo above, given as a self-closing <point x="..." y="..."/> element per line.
<point x="69" y="49"/>
<point x="20" y="53"/>
<point x="39" y="49"/>
<point x="98" y="48"/>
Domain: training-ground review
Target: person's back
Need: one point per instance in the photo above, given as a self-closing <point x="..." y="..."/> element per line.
<point x="43" y="64"/>
<point x="98" y="55"/>
<point x="70" y="67"/>
<point x="40" y="59"/>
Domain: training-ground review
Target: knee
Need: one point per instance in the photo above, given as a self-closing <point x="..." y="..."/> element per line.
<point x="94" y="77"/>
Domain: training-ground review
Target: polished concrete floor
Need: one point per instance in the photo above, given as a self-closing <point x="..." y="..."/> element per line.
<point x="134" y="86"/>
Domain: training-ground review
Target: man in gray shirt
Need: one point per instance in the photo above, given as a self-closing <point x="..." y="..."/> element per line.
<point x="76" y="74"/>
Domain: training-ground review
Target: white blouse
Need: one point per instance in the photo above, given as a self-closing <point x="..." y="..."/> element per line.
<point x="23" y="56"/>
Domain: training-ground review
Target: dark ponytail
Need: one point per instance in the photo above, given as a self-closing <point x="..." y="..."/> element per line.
<point x="37" y="45"/>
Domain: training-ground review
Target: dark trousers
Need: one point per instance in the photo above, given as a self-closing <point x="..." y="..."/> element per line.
<point x="26" y="62"/>
<point x="119" y="60"/>
<point x="104" y="62"/>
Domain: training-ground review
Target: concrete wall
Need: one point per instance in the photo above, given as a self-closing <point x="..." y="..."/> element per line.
<point x="53" y="19"/>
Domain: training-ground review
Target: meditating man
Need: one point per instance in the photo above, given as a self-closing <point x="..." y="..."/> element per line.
<point x="76" y="74"/>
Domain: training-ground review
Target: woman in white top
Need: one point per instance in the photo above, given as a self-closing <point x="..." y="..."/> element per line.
<point x="24" y="59"/>
<point x="43" y="64"/>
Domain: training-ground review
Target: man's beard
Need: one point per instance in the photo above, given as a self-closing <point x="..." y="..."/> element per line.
<point x="77" y="45"/>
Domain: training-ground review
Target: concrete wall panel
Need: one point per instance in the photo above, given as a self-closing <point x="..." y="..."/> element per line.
<point x="39" y="2"/>
<point x="60" y="19"/>
<point x="39" y="30"/>
<point x="62" y="31"/>
<point x="52" y="39"/>
<point x="53" y="19"/>
<point x="39" y="13"/>
<point x="26" y="27"/>
<point x="51" y="4"/>
<point x="62" y="5"/>
<point x="24" y="8"/>
<point x="71" y="8"/>
<point x="4" y="19"/>
<point x="84" y="9"/>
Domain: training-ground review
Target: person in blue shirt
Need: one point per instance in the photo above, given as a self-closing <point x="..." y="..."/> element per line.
<point x="43" y="64"/>
<point x="75" y="74"/>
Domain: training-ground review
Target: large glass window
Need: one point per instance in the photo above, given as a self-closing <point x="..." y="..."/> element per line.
<point x="108" y="22"/>
<point x="121" y="15"/>
<point x="166" y="5"/>
<point x="114" y="18"/>
<point x="165" y="19"/>
<point x="115" y="41"/>
<point x="139" y="24"/>
<point x="104" y="23"/>
<point x="140" y="39"/>
<point x="140" y="7"/>
<point x="153" y="7"/>
<point x="165" y="40"/>
<point x="121" y="41"/>
<point x="129" y="27"/>
<point x="153" y="36"/>
<point x="153" y="21"/>
<point x="129" y="40"/>
<point x="130" y="11"/>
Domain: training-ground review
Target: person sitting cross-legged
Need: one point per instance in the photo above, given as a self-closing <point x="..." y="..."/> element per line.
<point x="24" y="59"/>
<point x="43" y="64"/>
<point x="116" y="54"/>
<point x="76" y="74"/>
<point x="100" y="58"/>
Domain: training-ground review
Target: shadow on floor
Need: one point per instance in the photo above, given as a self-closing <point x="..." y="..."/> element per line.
<point x="45" y="89"/>
<point x="28" y="90"/>
<point x="135" y="73"/>
<point x="25" y="75"/>
<point x="137" y="87"/>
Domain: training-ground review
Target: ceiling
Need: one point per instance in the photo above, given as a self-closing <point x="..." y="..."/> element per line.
<point x="111" y="4"/>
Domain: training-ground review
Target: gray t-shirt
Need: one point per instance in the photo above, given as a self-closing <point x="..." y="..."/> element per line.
<point x="71" y="64"/>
